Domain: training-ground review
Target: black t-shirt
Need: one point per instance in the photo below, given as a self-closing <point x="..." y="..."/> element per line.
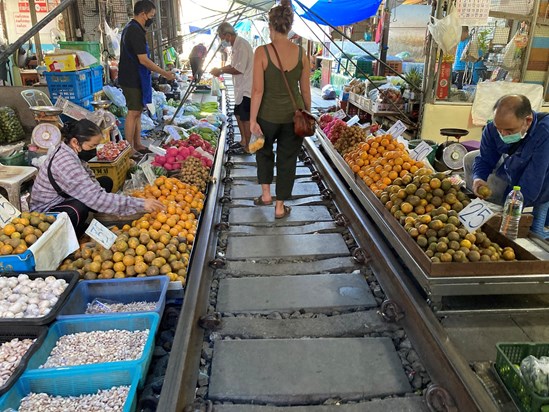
<point x="133" y="43"/>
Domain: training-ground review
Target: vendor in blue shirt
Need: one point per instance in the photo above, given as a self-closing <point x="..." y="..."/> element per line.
<point x="459" y="67"/>
<point x="514" y="151"/>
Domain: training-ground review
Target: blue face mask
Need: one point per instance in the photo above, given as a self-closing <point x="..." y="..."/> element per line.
<point x="512" y="138"/>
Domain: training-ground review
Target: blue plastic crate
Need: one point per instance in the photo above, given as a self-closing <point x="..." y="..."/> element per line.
<point x="96" y="79"/>
<point x="152" y="289"/>
<point x="132" y="322"/>
<point x="18" y="263"/>
<point x="85" y="102"/>
<point x="68" y="383"/>
<point x="70" y="85"/>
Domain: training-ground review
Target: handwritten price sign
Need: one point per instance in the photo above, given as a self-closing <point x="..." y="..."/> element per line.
<point x="101" y="234"/>
<point x="397" y="129"/>
<point x="475" y="215"/>
<point x="149" y="174"/>
<point x="421" y="151"/>
<point x="7" y="211"/>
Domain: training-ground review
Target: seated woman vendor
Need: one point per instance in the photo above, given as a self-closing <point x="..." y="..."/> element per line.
<point x="65" y="183"/>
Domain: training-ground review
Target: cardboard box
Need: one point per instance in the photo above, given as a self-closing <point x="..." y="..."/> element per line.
<point x="62" y="62"/>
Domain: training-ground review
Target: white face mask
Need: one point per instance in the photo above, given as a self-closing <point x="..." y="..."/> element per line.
<point x="225" y="44"/>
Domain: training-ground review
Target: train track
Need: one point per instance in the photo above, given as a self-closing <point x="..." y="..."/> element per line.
<point x="307" y="313"/>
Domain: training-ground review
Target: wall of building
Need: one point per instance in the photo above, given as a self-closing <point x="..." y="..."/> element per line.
<point x="538" y="63"/>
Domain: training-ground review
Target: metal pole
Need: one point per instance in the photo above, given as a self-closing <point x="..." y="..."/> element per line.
<point x="158" y="33"/>
<point x="384" y="40"/>
<point x="35" y="29"/>
<point x="34" y="20"/>
<point x="429" y="73"/>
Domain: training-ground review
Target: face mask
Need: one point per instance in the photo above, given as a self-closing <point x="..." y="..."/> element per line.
<point x="87" y="155"/>
<point x="512" y="138"/>
<point x="149" y="22"/>
<point x="225" y="44"/>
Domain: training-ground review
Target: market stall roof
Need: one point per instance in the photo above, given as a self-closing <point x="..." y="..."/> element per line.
<point x="334" y="12"/>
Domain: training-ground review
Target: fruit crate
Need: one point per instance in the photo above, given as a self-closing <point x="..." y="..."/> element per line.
<point x="395" y="65"/>
<point x="92" y="47"/>
<point x="510" y="354"/>
<point x="130" y="322"/>
<point x="127" y="290"/>
<point x="116" y="170"/>
<point x="96" y="79"/>
<point x="68" y="383"/>
<point x="22" y="332"/>
<point x="70" y="85"/>
<point x="71" y="277"/>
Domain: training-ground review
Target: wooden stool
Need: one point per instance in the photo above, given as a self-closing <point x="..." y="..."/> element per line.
<point x="11" y="178"/>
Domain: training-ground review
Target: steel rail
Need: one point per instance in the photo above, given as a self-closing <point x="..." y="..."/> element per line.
<point x="461" y="389"/>
<point x="184" y="362"/>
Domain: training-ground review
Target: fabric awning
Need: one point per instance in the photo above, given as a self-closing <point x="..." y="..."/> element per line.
<point x="337" y="12"/>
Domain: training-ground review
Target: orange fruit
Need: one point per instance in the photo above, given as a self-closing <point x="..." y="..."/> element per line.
<point x="9" y="229"/>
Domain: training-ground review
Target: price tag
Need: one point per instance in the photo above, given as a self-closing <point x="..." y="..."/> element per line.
<point x="149" y="174"/>
<point x="340" y="114"/>
<point x="475" y="215"/>
<point x="397" y="129"/>
<point x="7" y="211"/>
<point x="421" y="151"/>
<point x="353" y="120"/>
<point x="101" y="234"/>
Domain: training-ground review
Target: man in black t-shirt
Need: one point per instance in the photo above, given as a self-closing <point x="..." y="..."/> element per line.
<point x="135" y="68"/>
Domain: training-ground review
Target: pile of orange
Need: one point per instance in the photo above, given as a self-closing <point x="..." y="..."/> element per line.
<point x="169" y="189"/>
<point x="379" y="161"/>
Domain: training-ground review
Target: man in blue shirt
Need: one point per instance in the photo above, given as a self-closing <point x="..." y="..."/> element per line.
<point x="458" y="69"/>
<point x="514" y="151"/>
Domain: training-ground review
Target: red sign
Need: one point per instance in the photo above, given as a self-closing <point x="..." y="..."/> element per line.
<point x="444" y="80"/>
<point x="40" y="6"/>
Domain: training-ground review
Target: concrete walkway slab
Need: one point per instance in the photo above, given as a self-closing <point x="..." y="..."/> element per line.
<point x="313" y="293"/>
<point x="250" y="172"/>
<point x="355" y="324"/>
<point x="302" y="371"/>
<point x="319" y="266"/>
<point x="408" y="404"/>
<point x="265" y="215"/>
<point x="302" y="201"/>
<point x="274" y="229"/>
<point x="252" y="191"/>
<point x="295" y="246"/>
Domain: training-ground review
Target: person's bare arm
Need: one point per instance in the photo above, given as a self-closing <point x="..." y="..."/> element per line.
<point x="224" y="70"/>
<point x="152" y="66"/>
<point x="257" y="89"/>
<point x="305" y="83"/>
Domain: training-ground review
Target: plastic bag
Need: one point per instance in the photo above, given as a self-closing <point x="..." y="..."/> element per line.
<point x="471" y="51"/>
<point x="146" y="123"/>
<point x="113" y="41"/>
<point x="11" y="127"/>
<point x="256" y="143"/>
<point x="328" y="92"/>
<point x="216" y="90"/>
<point x="447" y="31"/>
<point x="536" y="373"/>
<point x="137" y="182"/>
<point x="115" y="95"/>
<point x="513" y="51"/>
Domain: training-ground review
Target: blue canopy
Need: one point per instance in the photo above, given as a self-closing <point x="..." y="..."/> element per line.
<point x="337" y="12"/>
<point x="194" y="29"/>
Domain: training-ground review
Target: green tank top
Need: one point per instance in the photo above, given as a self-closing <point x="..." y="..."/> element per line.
<point x="276" y="105"/>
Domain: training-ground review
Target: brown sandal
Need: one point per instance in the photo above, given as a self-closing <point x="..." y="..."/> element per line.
<point x="287" y="210"/>
<point x="258" y="201"/>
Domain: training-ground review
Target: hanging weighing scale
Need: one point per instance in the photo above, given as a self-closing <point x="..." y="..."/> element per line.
<point x="450" y="154"/>
<point x="46" y="133"/>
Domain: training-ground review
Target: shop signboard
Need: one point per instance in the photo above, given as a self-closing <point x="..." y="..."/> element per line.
<point x="444" y="80"/>
<point x="40" y="6"/>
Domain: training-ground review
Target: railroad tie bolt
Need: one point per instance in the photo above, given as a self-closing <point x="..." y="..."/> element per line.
<point x="221" y="226"/>
<point x="225" y="199"/>
<point x="360" y="255"/>
<point x="316" y="176"/>
<point x="390" y="311"/>
<point x="439" y="399"/>
<point x="211" y="321"/>
<point x="217" y="263"/>
<point x="307" y="161"/>
<point x="227" y="180"/>
<point x="341" y="220"/>
<point x="229" y="165"/>
<point x="200" y="406"/>
<point x="327" y="194"/>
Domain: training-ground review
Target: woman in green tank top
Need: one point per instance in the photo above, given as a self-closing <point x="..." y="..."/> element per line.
<point x="271" y="113"/>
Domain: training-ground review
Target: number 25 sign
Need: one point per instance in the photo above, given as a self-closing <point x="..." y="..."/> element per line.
<point x="475" y="215"/>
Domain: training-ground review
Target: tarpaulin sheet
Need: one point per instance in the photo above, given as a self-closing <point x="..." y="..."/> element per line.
<point x="336" y="12"/>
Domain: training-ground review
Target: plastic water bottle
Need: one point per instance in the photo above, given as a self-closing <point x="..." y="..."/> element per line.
<point x="512" y="210"/>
